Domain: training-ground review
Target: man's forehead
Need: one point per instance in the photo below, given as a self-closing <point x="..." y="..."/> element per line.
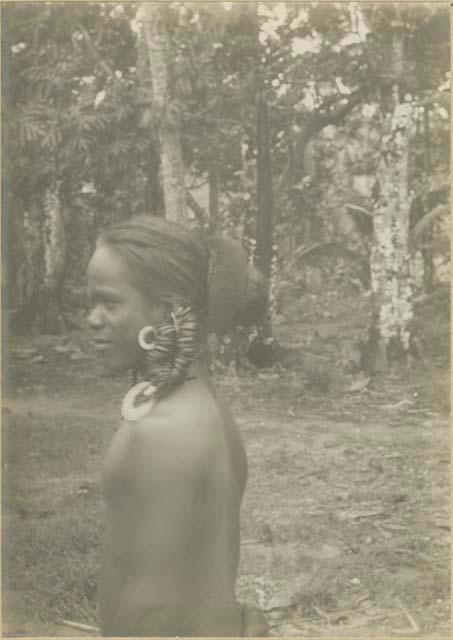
<point x="105" y="262"/>
<point x="101" y="290"/>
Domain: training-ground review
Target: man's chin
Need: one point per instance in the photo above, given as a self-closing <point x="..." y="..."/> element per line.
<point x="112" y="369"/>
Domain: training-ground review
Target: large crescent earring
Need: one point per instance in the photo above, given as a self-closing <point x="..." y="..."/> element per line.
<point x="131" y="411"/>
<point x="147" y="338"/>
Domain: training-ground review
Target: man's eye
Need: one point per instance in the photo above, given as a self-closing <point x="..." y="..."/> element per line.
<point x="110" y="305"/>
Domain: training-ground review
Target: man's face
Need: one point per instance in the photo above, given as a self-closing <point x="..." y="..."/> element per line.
<point x="118" y="310"/>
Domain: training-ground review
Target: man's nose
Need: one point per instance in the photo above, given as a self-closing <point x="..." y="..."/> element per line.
<point x="95" y="318"/>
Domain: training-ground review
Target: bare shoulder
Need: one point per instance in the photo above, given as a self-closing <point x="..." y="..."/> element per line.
<point x="182" y="431"/>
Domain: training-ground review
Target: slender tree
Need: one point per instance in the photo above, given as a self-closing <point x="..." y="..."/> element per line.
<point x="390" y="263"/>
<point x="55" y="254"/>
<point x="159" y="53"/>
<point x="264" y="227"/>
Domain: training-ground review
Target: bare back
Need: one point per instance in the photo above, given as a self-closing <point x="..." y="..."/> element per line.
<point x="173" y="484"/>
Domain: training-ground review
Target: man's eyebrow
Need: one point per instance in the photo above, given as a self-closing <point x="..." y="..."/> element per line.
<point x="105" y="291"/>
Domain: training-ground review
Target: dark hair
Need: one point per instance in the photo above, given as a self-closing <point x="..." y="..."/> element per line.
<point x="208" y="287"/>
<point x="170" y="264"/>
<point x="237" y="291"/>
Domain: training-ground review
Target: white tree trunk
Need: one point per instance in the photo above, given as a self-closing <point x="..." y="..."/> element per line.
<point x="55" y="250"/>
<point x="392" y="281"/>
<point x="273" y="284"/>
<point x="391" y="272"/>
<point x="158" y="47"/>
<point x="248" y="221"/>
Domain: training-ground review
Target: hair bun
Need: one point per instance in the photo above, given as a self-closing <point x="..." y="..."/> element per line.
<point x="237" y="292"/>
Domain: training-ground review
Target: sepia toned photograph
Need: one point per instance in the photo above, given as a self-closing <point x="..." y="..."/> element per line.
<point x="225" y="319"/>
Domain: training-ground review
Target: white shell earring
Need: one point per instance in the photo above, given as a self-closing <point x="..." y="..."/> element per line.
<point x="130" y="410"/>
<point x="139" y="400"/>
<point x="143" y="337"/>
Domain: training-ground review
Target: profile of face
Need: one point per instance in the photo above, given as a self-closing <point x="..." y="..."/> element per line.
<point x="118" y="310"/>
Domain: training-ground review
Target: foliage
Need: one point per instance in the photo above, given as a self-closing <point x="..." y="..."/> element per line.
<point x="79" y="108"/>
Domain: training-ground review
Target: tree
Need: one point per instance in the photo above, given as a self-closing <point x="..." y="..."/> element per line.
<point x="264" y="227"/>
<point x="35" y="127"/>
<point x="159" y="52"/>
<point x="254" y="115"/>
<point x="66" y="134"/>
<point x="392" y="276"/>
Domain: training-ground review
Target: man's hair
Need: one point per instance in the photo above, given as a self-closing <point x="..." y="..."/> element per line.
<point x="168" y="263"/>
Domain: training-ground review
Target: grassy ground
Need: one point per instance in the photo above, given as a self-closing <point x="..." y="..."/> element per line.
<point x="345" y="527"/>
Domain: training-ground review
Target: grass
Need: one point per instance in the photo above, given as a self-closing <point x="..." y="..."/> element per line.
<point x="52" y="515"/>
<point x="345" y="514"/>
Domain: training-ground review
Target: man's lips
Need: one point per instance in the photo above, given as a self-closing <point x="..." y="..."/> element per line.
<point x="101" y="344"/>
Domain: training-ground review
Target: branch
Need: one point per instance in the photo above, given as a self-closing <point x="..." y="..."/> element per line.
<point x="318" y="121"/>
<point x="198" y="185"/>
<point x="198" y="210"/>
<point x="355" y="207"/>
<point x="363" y="219"/>
<point x="321" y="120"/>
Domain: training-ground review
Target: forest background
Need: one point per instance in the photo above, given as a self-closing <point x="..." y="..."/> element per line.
<point x="317" y="135"/>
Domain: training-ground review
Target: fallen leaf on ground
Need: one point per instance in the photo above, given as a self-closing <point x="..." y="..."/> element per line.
<point x="25" y="353"/>
<point x="64" y="348"/>
<point x="354" y="515"/>
<point x="358" y="385"/>
<point x="78" y="355"/>
<point x="397" y="405"/>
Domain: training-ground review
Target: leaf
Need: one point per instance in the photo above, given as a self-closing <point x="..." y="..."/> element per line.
<point x="320" y="249"/>
<point x="49" y="142"/>
<point x="358" y="385"/>
<point x="427" y="219"/>
<point x="355" y="207"/>
<point x="100" y="97"/>
<point x="82" y="144"/>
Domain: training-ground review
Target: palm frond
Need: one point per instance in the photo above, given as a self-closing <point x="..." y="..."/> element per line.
<point x="320" y="250"/>
<point x="427" y="220"/>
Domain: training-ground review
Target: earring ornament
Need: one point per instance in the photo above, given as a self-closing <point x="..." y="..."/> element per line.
<point x="168" y="352"/>
<point x="175" y="322"/>
<point x="143" y="335"/>
<point x="131" y="410"/>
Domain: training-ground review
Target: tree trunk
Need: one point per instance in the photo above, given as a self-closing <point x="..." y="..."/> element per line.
<point x="25" y="266"/>
<point x="264" y="227"/>
<point x="214" y="213"/>
<point x="391" y="277"/>
<point x="427" y="251"/>
<point x="38" y="264"/>
<point x="153" y="197"/>
<point x="158" y="47"/>
<point x="54" y="252"/>
<point x="249" y="226"/>
<point x="267" y="251"/>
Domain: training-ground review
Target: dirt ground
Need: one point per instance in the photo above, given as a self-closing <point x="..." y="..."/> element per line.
<point x="345" y="521"/>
